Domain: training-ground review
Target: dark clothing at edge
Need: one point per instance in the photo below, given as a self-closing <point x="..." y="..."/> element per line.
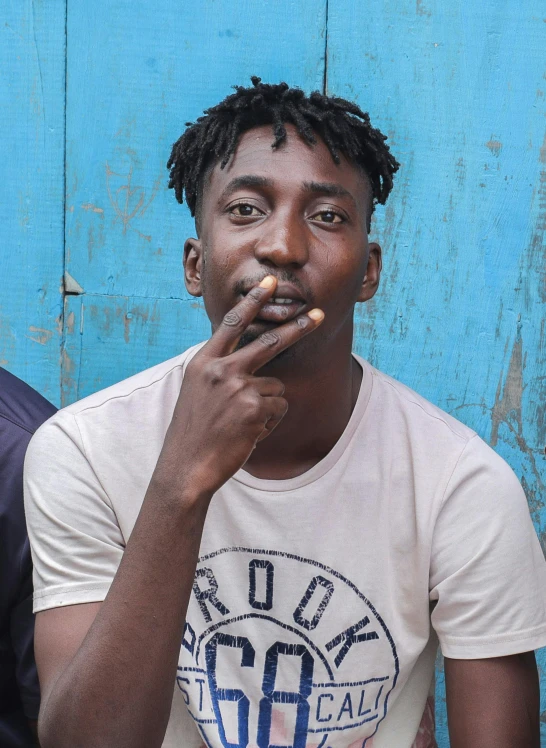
<point x="22" y="411"/>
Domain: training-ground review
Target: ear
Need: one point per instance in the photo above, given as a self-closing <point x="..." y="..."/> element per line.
<point x="193" y="261"/>
<point x="373" y="273"/>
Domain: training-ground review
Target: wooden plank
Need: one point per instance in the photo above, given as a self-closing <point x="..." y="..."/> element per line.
<point x="139" y="76"/>
<point x="460" y="90"/>
<point x="32" y="60"/>
<point x="109" y="338"/>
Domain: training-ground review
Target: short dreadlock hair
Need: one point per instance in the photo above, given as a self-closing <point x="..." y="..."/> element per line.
<point x="341" y="124"/>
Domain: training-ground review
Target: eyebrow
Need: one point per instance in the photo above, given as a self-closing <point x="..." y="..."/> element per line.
<point x="331" y="189"/>
<point x="246" y="180"/>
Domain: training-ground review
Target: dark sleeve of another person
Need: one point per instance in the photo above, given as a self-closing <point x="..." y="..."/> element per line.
<point x="22" y="411"/>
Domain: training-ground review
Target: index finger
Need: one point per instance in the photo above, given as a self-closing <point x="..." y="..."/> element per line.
<point x="225" y="338"/>
<point x="270" y="344"/>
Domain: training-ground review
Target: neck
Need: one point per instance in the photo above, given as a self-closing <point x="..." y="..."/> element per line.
<point x="321" y="395"/>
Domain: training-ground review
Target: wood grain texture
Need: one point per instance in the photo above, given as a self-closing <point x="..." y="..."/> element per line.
<point x="460" y="90"/>
<point x="32" y="64"/>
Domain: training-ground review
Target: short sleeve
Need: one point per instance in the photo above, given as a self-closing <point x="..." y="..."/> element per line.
<point x="75" y="538"/>
<point x="488" y="573"/>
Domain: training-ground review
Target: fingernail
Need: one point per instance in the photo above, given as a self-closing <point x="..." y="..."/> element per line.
<point x="267" y="282"/>
<point x="316" y="314"/>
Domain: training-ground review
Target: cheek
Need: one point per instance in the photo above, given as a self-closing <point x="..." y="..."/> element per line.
<point x="344" y="278"/>
<point x="218" y="274"/>
<point x="219" y="258"/>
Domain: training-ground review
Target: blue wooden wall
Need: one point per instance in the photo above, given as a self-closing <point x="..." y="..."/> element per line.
<point x="92" y="95"/>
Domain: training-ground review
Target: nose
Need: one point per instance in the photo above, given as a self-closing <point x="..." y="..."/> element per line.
<point x="283" y="242"/>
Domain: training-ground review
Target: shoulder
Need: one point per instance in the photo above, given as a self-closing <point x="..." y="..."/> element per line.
<point x="21" y="407"/>
<point x="439" y="448"/>
<point x="431" y="423"/>
<point x="140" y="397"/>
<point x="118" y="420"/>
<point x="399" y="401"/>
<point x="153" y="382"/>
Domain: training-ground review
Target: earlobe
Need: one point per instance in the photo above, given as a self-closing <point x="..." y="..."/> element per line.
<point x="193" y="258"/>
<point x="371" y="279"/>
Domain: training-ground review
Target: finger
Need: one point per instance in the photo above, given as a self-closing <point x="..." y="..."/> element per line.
<point x="277" y="408"/>
<point x="229" y="332"/>
<point x="268" y="386"/>
<point x="268" y="345"/>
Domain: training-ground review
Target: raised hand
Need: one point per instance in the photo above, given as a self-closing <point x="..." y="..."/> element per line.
<point x="223" y="409"/>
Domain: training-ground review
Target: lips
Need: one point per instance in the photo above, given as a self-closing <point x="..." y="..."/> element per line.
<point x="284" y="306"/>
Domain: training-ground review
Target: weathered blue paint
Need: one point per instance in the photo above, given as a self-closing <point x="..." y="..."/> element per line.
<point x="460" y="89"/>
<point x="125" y="333"/>
<point x="141" y="82"/>
<point x="32" y="65"/>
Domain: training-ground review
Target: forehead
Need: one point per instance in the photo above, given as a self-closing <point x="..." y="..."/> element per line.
<point x="290" y="165"/>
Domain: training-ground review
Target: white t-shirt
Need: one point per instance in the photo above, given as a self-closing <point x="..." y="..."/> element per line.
<point x="317" y="600"/>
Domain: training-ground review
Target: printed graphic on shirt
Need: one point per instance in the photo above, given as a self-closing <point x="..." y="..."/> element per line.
<point x="280" y="650"/>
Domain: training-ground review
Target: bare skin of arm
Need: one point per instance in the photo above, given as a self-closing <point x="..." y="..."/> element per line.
<point x="493" y="703"/>
<point x="107" y="670"/>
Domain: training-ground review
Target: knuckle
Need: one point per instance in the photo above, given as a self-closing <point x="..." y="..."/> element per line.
<point x="255" y="295"/>
<point x="236" y="385"/>
<point x="252" y="406"/>
<point x="214" y="372"/>
<point x="269" y="339"/>
<point x="303" y="322"/>
<point x="233" y="319"/>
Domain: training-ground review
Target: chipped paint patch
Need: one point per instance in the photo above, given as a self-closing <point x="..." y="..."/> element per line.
<point x="537" y="244"/>
<point x="509" y="401"/>
<point x="40" y="335"/>
<point x="91" y="207"/>
<point x="70" y="323"/>
<point x="421" y="10"/>
<point x="495" y="146"/>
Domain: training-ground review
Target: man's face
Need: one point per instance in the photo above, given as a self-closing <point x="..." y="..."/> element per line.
<point x="292" y="213"/>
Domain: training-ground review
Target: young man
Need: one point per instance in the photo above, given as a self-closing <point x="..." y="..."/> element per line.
<point x="266" y="524"/>
<point x="22" y="411"/>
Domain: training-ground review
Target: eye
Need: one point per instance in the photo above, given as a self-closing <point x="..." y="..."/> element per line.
<point x="328" y="216"/>
<point x="245" y="210"/>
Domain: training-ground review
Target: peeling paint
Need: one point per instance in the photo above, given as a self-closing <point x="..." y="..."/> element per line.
<point x="70" y="323"/>
<point x="40" y="335"/>
<point x="68" y="383"/>
<point x="421" y="10"/>
<point x="127" y="326"/>
<point x="128" y="200"/>
<point x="460" y="172"/>
<point x="537" y="244"/>
<point x="93" y="208"/>
<point x="509" y="402"/>
<point x="90" y="244"/>
<point x="495" y="146"/>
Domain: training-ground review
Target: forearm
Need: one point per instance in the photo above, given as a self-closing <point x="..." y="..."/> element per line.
<point x="493" y="703"/>
<point x="117" y="690"/>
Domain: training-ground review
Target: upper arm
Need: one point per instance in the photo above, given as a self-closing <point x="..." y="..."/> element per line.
<point x="494" y="702"/>
<point x="59" y="633"/>
<point x="487" y="570"/>
<point x="76" y="540"/>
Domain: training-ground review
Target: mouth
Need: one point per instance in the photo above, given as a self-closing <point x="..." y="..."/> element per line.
<point x="284" y="306"/>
